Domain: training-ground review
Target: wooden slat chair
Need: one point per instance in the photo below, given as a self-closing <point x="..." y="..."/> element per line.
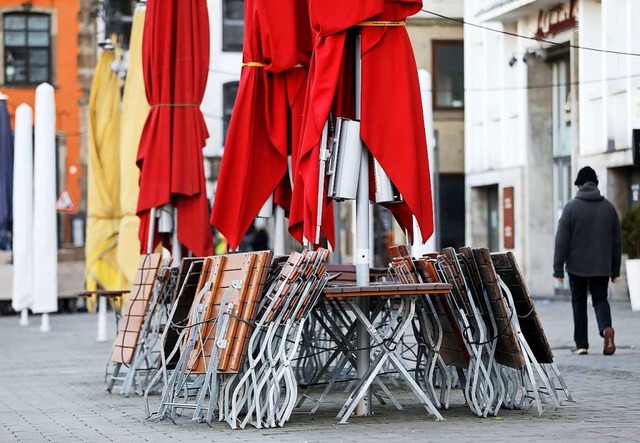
<point x="535" y="340"/>
<point x="428" y="328"/>
<point x="266" y="393"/>
<point x="480" y="297"/>
<point x="133" y="349"/>
<point x="177" y="319"/>
<point x="515" y="353"/>
<point x="480" y="392"/>
<point x="214" y="344"/>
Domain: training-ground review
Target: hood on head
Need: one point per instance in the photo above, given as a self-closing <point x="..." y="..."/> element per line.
<point x="589" y="192"/>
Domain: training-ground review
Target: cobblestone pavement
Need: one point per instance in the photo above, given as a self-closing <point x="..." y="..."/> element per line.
<point x="52" y="389"/>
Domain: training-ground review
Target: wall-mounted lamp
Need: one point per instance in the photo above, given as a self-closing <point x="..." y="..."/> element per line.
<point x="27" y="6"/>
<point x="513" y="61"/>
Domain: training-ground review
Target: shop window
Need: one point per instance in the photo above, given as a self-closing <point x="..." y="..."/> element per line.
<point x="229" y="92"/>
<point x="27" y="48"/>
<point x="232" y="25"/>
<point x="448" y="78"/>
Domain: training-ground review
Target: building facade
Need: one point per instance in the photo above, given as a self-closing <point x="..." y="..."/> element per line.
<point x="226" y="24"/>
<point x="52" y="41"/>
<point x="537" y="111"/>
<point x="438" y="46"/>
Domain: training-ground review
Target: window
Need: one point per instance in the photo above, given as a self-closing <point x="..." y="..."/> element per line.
<point x="448" y="78"/>
<point x="232" y="25"/>
<point x="27" y="48"/>
<point x="229" y="92"/>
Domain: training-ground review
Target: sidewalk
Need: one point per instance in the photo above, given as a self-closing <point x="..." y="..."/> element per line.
<point x="52" y="389"/>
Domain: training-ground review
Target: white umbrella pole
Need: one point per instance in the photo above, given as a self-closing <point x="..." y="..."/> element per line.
<point x="278" y="231"/>
<point x="45" y="235"/>
<point x="102" y="319"/>
<point x="22" y="294"/>
<point x="362" y="258"/>
<point x="152" y="228"/>
<point x="176" y="249"/>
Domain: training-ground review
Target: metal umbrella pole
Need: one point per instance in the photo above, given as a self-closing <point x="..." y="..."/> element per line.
<point x="362" y="255"/>
<point x="279" y="231"/>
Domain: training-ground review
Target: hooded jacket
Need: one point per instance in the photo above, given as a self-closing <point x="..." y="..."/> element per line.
<point x="588" y="237"/>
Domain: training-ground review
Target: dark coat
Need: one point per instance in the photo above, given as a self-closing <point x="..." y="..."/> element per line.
<point x="588" y="237"/>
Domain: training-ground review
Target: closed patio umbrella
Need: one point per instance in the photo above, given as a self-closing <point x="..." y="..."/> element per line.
<point x="175" y="63"/>
<point x="135" y="109"/>
<point x="265" y="123"/>
<point x="391" y="112"/>
<point x="103" y="178"/>
<point x="22" y="294"/>
<point x="6" y="174"/>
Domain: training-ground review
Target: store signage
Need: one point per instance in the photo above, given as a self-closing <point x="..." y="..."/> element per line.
<point x="509" y="218"/>
<point x="557" y="19"/>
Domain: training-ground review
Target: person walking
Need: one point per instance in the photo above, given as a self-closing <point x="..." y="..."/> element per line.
<point x="588" y="241"/>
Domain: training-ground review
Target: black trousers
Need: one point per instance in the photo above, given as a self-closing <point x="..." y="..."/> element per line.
<point x="598" y="287"/>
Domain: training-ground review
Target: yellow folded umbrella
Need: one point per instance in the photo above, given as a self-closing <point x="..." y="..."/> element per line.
<point x="135" y="109"/>
<point x="103" y="178"/>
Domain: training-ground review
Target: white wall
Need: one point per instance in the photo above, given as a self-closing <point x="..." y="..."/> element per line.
<point x="610" y="83"/>
<point x="223" y="67"/>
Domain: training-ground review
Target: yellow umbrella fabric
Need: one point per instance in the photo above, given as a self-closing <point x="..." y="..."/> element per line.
<point x="103" y="178"/>
<point x="135" y="109"/>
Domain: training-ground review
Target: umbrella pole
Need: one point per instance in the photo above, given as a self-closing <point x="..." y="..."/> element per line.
<point x="176" y="249"/>
<point x="278" y="231"/>
<point x="152" y="227"/>
<point x="362" y="245"/>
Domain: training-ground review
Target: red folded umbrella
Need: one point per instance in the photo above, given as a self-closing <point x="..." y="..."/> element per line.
<point x="391" y="118"/>
<point x="264" y="123"/>
<point x="175" y="62"/>
<point x="392" y="121"/>
<point x="330" y="20"/>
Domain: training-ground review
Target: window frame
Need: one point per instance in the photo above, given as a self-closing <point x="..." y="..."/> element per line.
<point x="435" y="44"/>
<point x="27" y="48"/>
<point x="226" y="119"/>
<point x="226" y="45"/>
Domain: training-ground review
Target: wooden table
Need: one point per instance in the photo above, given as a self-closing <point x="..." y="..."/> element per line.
<point x="408" y="294"/>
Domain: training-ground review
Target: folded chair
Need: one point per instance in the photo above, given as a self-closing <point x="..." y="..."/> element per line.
<point x="515" y="287"/>
<point x="135" y="351"/>
<point x="214" y="342"/>
<point x="535" y="387"/>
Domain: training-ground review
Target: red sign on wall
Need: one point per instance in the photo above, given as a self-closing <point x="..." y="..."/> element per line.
<point x="557" y="19"/>
<point x="509" y="218"/>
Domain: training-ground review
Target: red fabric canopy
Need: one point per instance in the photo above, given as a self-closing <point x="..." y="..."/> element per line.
<point x="265" y="122"/>
<point x="391" y="118"/>
<point x="330" y="20"/>
<point x="175" y="63"/>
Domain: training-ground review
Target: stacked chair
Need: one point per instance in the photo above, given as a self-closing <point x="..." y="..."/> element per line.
<point x="232" y="334"/>
<point x="136" y="352"/>
<point x="486" y="327"/>
<point x="230" y="337"/>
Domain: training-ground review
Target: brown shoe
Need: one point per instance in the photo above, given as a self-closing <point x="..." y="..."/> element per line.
<point x="609" y="345"/>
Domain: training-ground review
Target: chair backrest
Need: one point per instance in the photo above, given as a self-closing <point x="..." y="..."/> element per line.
<point x="188" y="277"/>
<point x="508" y="351"/>
<point x="136" y="309"/>
<point x="507" y="268"/>
<point x="235" y="279"/>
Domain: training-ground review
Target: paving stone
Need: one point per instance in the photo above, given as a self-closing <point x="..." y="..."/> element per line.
<point x="52" y="388"/>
